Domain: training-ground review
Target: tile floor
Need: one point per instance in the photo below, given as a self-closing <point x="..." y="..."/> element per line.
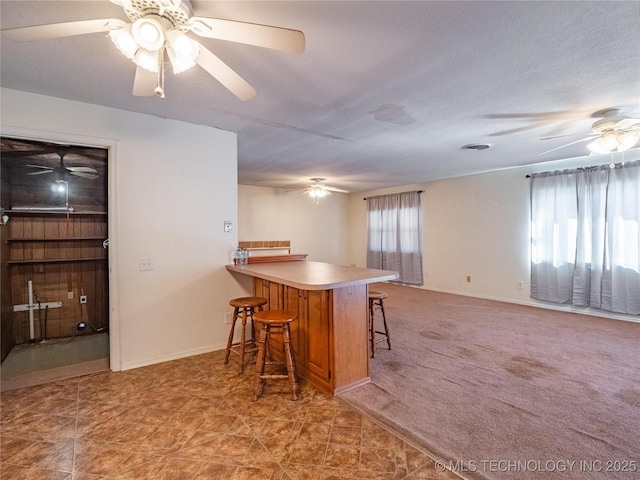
<point x="193" y="419"/>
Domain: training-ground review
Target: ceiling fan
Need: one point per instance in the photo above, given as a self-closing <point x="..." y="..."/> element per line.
<point x="612" y="133"/>
<point x="62" y="169"/>
<point x="158" y="32"/>
<point x="317" y="189"/>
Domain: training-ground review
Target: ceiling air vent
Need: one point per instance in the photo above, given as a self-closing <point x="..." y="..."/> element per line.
<point x="475" y="146"/>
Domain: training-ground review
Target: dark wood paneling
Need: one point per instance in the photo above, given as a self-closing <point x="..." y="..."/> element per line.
<point x="58" y="268"/>
<point x="60" y="253"/>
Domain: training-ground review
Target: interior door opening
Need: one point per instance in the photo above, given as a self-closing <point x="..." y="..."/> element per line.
<point x="54" y="262"/>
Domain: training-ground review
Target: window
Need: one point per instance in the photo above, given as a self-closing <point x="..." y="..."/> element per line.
<point x="394" y="240"/>
<point x="585" y="243"/>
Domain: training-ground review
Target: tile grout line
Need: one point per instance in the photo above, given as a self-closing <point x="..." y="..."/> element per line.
<point x="75" y="430"/>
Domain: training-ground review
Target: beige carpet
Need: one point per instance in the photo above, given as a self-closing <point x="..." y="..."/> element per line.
<point x="504" y="391"/>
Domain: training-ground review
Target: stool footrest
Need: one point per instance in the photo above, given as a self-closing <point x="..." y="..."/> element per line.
<point x="237" y="351"/>
<point x="271" y="321"/>
<point x="244" y="310"/>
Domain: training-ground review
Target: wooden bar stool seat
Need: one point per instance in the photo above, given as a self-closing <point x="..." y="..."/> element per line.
<point x="274" y="321"/>
<point x="376" y="303"/>
<point x="243" y="308"/>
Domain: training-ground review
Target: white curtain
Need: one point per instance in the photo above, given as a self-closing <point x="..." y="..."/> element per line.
<point x="585" y="244"/>
<point x="394" y="240"/>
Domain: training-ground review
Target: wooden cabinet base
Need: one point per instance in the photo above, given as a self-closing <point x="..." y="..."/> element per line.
<point x="330" y="336"/>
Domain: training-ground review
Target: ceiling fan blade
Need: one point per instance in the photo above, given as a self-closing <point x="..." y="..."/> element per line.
<point x="84" y="175"/>
<point x="225" y="75"/>
<point x="566" y="145"/>
<point x="277" y="38"/>
<point x="144" y="83"/>
<point x="37" y="166"/>
<point x="81" y="169"/>
<point x="335" y="189"/>
<point x="562" y="136"/>
<point x="58" y="30"/>
<point x="22" y="153"/>
<point x="628" y="123"/>
<point x="40" y="172"/>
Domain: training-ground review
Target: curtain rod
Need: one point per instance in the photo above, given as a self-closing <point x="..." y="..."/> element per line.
<point x="417" y="191"/>
<point x="621" y="164"/>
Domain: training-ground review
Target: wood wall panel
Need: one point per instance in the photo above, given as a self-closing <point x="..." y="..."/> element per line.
<point x="64" y="272"/>
<point x="53" y="284"/>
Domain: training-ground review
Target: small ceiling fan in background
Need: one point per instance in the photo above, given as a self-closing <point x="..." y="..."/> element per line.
<point x="613" y="133"/>
<point x="317" y="189"/>
<point x="157" y="36"/>
<point x="62" y="169"/>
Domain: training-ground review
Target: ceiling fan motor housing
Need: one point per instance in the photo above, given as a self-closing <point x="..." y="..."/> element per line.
<point x="179" y="16"/>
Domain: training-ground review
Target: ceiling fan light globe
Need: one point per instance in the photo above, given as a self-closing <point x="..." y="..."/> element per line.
<point x="124" y="41"/>
<point x="59" y="186"/>
<point x="627" y="140"/>
<point x="147" y="59"/>
<point x="181" y="44"/>
<point x="179" y="64"/>
<point x="610" y="140"/>
<point x="182" y="51"/>
<point x="148" y="33"/>
<point x="598" y="146"/>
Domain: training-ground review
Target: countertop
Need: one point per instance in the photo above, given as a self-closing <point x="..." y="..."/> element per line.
<point x="308" y="275"/>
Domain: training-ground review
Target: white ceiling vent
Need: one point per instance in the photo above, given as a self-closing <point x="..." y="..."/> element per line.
<point x="476" y="146"/>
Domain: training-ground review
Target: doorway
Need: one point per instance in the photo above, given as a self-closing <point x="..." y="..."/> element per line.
<point x="54" y="267"/>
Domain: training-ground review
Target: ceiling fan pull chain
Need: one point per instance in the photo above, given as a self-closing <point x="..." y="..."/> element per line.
<point x="159" y="91"/>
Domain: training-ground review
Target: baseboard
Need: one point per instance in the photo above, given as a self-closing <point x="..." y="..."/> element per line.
<point x="173" y="356"/>
<point x="547" y="306"/>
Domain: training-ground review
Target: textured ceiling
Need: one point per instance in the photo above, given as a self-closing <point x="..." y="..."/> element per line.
<point x="385" y="94"/>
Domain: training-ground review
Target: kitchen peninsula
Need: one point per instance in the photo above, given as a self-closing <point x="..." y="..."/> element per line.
<point x="330" y="337"/>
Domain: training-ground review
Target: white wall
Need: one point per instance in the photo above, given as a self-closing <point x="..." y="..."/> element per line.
<point x="274" y="214"/>
<point x="171" y="187"/>
<point x="476" y="226"/>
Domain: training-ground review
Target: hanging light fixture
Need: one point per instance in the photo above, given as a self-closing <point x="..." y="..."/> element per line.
<point x="614" y="140"/>
<point x="317" y="192"/>
<point x="148" y="33"/>
<point x="146" y="41"/>
<point x="182" y="51"/>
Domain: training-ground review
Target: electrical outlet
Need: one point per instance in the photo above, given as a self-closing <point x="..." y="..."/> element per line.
<point x="520" y="285"/>
<point x="145" y="264"/>
<point x="83" y="299"/>
<point x="70" y="295"/>
<point x="227" y="318"/>
<point x="468" y="278"/>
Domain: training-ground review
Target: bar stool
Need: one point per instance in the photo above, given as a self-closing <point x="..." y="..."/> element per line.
<point x="274" y="321"/>
<point x="376" y="303"/>
<point x="243" y="308"/>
